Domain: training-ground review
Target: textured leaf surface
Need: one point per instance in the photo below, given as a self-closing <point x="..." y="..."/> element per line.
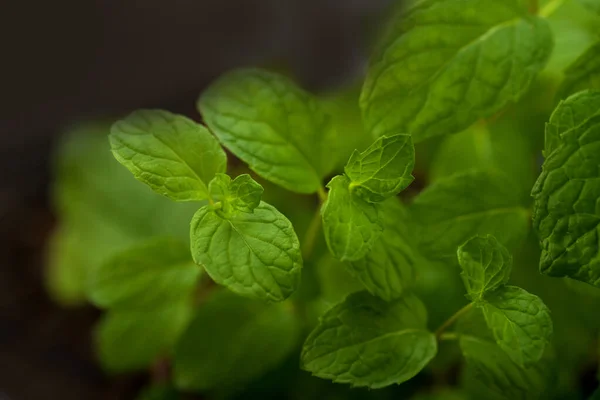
<point x="485" y="264"/>
<point x="278" y="129"/>
<point x="453" y="209"/>
<point x="566" y="212"/>
<point x="491" y="374"/>
<point x="254" y="254"/>
<point x="233" y="340"/>
<point x="129" y="340"/>
<point x="366" y="341"/>
<point x="160" y="271"/>
<point x="520" y="322"/>
<point x="388" y="269"/>
<point x="241" y="194"/>
<point x="569" y="114"/>
<point x="584" y="73"/>
<point x="441" y="65"/>
<point x="351" y="225"/>
<point x="382" y="170"/>
<point x="172" y="154"/>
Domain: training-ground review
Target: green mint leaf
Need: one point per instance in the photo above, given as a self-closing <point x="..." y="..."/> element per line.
<point x="382" y="170"/>
<point x="351" y="224"/>
<point x="453" y="209"/>
<point x="566" y="215"/>
<point x="441" y="65"/>
<point x="583" y="73"/>
<point x="388" y="269"/>
<point x="232" y="341"/>
<point x="570" y="113"/>
<point x="172" y="154"/>
<point x="278" y="129"/>
<point x="159" y="271"/>
<point x="241" y="194"/>
<point x="129" y="340"/>
<point x="253" y="254"/>
<point x="485" y="264"/>
<point x="491" y="374"/>
<point x="520" y="322"/>
<point x="366" y="341"/>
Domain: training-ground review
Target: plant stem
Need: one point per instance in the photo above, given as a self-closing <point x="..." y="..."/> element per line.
<point x="322" y="194"/>
<point x="312" y="232"/>
<point x="448" y="336"/>
<point x="452" y="320"/>
<point x="311" y="235"/>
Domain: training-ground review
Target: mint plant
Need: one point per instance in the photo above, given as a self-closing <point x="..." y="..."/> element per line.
<point x="379" y="240"/>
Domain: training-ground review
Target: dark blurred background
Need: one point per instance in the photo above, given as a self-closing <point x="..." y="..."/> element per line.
<point x="65" y="60"/>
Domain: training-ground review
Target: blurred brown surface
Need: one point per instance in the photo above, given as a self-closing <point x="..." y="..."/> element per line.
<point x="65" y="59"/>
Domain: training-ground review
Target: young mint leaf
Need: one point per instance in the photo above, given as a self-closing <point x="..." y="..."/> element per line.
<point x="172" y="154"/>
<point x="351" y="224"/>
<point x="129" y="340"/>
<point x="241" y="194"/>
<point x="583" y="73"/>
<point x="453" y="209"/>
<point x="382" y="170"/>
<point x="491" y="374"/>
<point x="156" y="272"/>
<point x="520" y="322"/>
<point x="566" y="215"/>
<point x="278" y="129"/>
<point x="388" y="269"/>
<point x="366" y="341"/>
<point x="443" y="64"/>
<point x="254" y="254"/>
<point x="233" y="340"/>
<point x="486" y="265"/>
<point x="570" y="113"/>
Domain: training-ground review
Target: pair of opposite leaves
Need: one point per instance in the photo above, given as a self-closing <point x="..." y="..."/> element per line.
<point x="366" y="341"/>
<point x="244" y="243"/>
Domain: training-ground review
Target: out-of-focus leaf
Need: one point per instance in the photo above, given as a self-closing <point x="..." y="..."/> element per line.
<point x="233" y="340"/>
<point x="101" y="207"/>
<point x="129" y="340"/>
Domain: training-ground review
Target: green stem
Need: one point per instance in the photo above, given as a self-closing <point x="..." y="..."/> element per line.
<point x="450" y="321"/>
<point x="446" y="336"/>
<point x="311" y="235"/>
<point x="550" y="8"/>
<point x="322" y="195"/>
